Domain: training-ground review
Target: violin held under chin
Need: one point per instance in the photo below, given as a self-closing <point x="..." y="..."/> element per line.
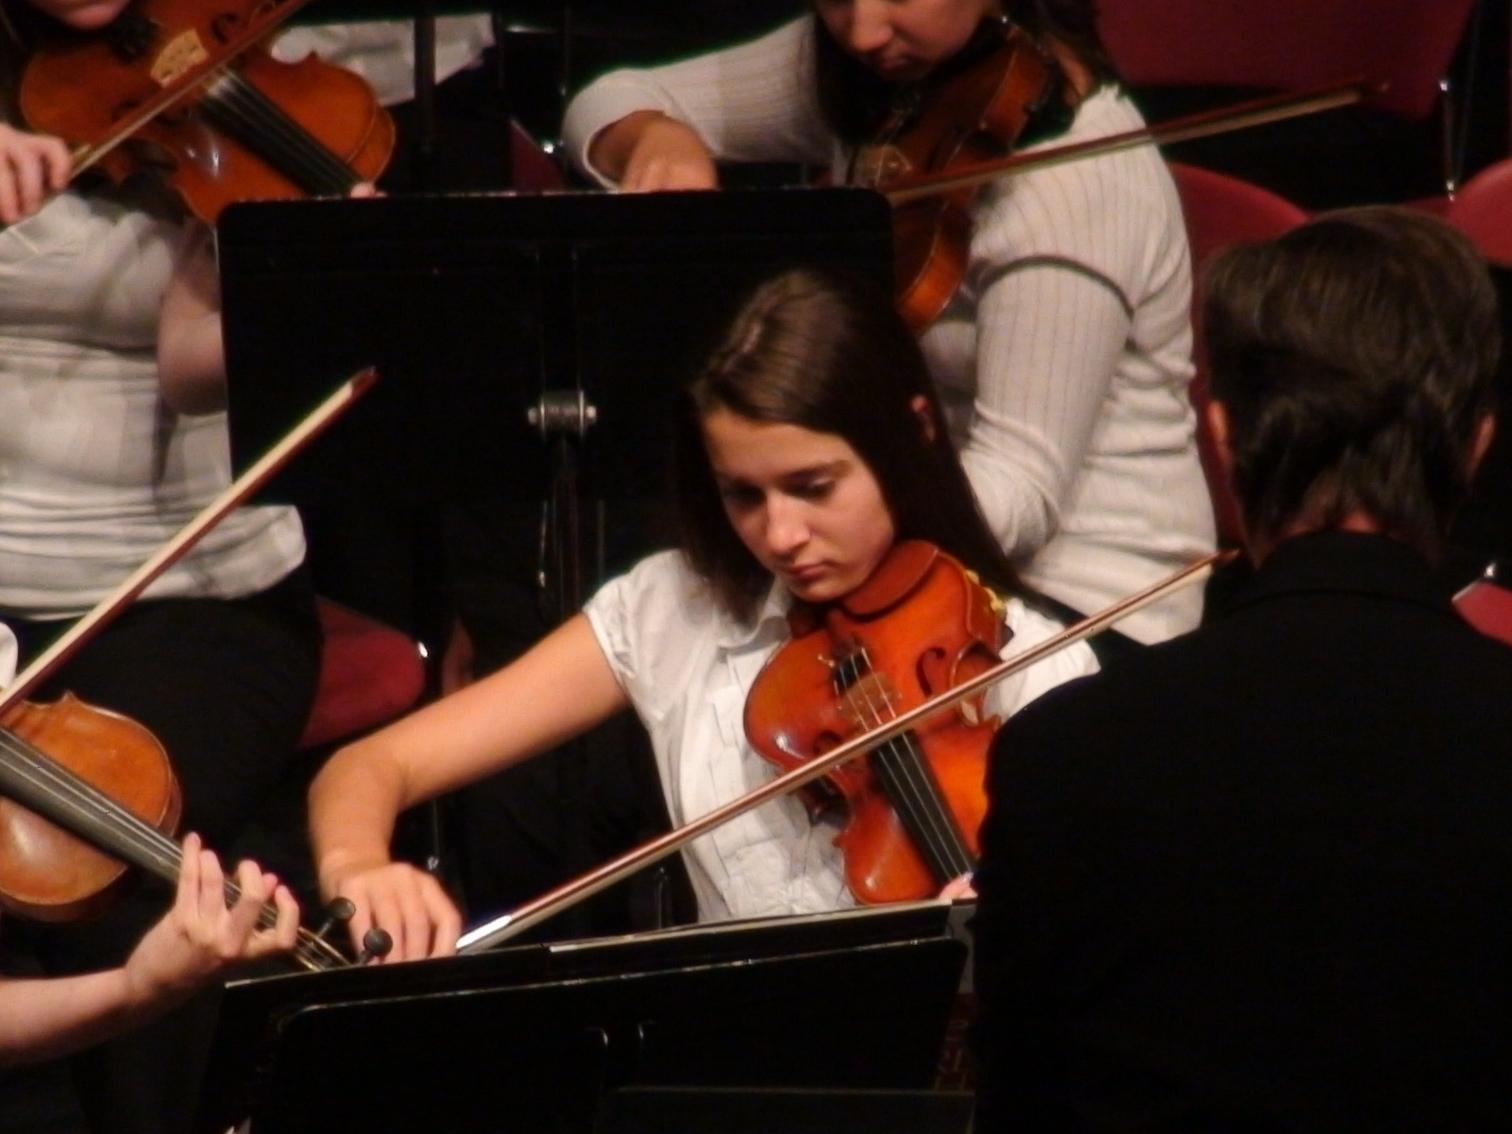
<point x="188" y="90"/>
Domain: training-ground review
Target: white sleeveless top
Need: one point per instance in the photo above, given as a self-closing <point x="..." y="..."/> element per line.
<point x="96" y="472"/>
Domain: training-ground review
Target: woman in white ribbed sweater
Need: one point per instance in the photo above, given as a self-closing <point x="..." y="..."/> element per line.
<point x="1064" y="359"/>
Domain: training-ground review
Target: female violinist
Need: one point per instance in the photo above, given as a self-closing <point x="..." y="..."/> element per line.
<point x="1064" y="357"/>
<point x="807" y="447"/>
<point x="219" y="659"/>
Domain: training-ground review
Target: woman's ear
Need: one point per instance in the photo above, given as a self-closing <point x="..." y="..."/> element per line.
<point x="920" y="406"/>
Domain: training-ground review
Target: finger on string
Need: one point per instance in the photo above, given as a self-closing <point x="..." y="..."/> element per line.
<point x="254" y="886"/>
<point x="188" y="894"/>
<point x="286" y="925"/>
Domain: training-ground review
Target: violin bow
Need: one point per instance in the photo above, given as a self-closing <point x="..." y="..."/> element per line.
<point x="1241" y="116"/>
<point x="569" y="893"/>
<point x="180" y="86"/>
<point x="241" y="489"/>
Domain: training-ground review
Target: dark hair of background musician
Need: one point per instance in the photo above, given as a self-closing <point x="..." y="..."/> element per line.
<point x="1355" y="357"/>
<point x="853" y="99"/>
<point x="827" y="353"/>
<point x="19" y="24"/>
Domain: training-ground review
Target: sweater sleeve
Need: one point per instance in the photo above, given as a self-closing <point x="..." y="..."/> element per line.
<point x="752" y="102"/>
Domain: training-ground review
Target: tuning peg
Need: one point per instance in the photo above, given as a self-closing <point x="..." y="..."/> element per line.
<point x="338" y="911"/>
<point x="376" y="943"/>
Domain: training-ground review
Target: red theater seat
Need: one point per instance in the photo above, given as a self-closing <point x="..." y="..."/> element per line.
<point x="370" y="674"/>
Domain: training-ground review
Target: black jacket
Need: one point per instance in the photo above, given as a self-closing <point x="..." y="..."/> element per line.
<point x="1261" y="878"/>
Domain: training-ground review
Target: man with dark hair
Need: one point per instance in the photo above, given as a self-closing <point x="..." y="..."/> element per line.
<point x="1261" y="878"/>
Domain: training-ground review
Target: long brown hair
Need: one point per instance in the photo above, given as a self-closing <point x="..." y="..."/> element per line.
<point x="829" y="353"/>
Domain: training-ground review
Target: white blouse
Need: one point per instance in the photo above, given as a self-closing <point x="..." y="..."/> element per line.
<point x="96" y="472"/>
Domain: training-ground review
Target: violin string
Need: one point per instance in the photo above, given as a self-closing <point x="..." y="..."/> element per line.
<point x="268" y="124"/>
<point x="333" y="174"/>
<point x="34" y="774"/>
<point x="891" y="762"/>
<point x="261" y="125"/>
<point x="886" y="759"/>
<point x="124" y="832"/>
<point x="907" y="778"/>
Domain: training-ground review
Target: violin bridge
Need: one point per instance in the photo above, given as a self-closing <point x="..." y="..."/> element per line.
<point x="180" y="55"/>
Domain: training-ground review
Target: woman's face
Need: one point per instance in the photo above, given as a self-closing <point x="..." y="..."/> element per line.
<point x="902" y="40"/>
<point x="803" y="503"/>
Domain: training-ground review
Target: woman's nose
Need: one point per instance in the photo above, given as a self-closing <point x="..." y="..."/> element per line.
<point x="870" y="26"/>
<point x="786" y="530"/>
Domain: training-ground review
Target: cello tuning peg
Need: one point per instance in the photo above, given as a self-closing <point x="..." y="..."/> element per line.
<point x="376" y="944"/>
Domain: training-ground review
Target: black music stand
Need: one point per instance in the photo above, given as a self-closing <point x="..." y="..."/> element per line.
<point x="531" y="1038"/>
<point x="478" y="308"/>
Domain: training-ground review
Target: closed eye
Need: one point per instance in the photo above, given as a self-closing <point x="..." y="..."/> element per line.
<point x="813" y="489"/>
<point x="740" y="495"/>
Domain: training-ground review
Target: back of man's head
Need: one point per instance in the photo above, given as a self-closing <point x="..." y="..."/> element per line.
<point x="1354" y="358"/>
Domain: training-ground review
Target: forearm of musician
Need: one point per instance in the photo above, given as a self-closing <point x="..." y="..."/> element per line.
<point x="558" y="689"/>
<point x="188" y="948"/>
<point x="648" y="151"/>
<point x="191" y="354"/>
<point x="48" y="1017"/>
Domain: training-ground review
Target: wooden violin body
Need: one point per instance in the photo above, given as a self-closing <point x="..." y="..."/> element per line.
<point x="250" y="127"/>
<point x="920" y="626"/>
<point x="46" y="751"/>
<point x="971" y="113"/>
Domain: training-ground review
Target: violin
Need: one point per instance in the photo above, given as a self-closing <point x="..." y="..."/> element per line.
<point x="973" y="111"/>
<point x="188" y="89"/>
<point x="941" y="142"/>
<point x="70" y="767"/>
<point x="918" y="627"/>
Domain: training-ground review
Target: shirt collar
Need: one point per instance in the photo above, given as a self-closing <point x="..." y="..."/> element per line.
<point x="1353" y="562"/>
<point x="767" y="625"/>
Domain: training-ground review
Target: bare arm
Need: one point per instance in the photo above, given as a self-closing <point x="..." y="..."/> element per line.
<point x="191" y="355"/>
<point x="561" y="687"/>
<point x="196" y="941"/>
<point x="752" y="102"/>
<point x="646" y="151"/>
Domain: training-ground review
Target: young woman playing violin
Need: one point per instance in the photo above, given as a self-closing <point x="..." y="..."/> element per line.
<point x="220" y="657"/>
<point x="807" y="447"/>
<point x="1064" y="357"/>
